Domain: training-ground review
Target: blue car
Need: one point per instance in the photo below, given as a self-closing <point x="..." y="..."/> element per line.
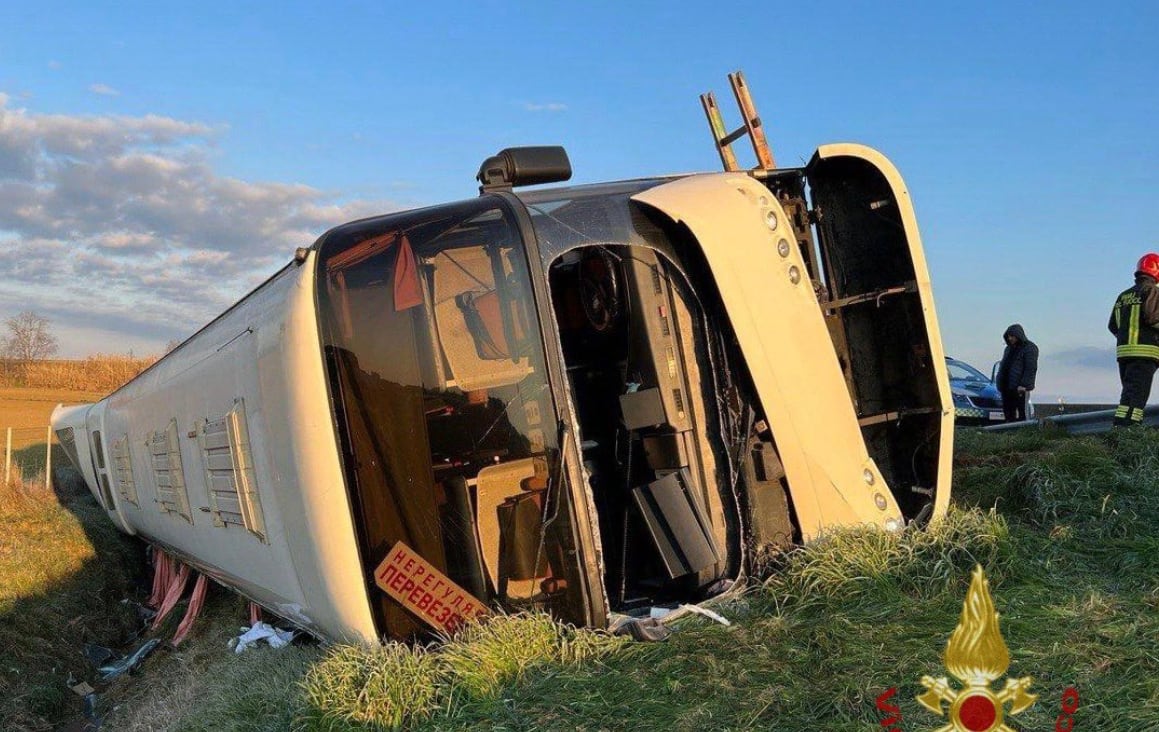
<point x="976" y="398"/>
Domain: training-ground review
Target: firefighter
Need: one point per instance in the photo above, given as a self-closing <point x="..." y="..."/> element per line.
<point x="1017" y="372"/>
<point x="1135" y="324"/>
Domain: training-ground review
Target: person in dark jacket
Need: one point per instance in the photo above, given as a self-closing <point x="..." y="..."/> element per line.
<point x="1017" y="372"/>
<point x="1135" y="324"/>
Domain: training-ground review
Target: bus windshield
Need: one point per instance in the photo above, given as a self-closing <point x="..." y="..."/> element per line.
<point x="448" y="427"/>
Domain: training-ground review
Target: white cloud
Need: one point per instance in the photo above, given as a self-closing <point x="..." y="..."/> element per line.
<point x="55" y="65"/>
<point x="103" y="89"/>
<point x="1088" y="357"/>
<point x="122" y="224"/>
<point x="545" y="106"/>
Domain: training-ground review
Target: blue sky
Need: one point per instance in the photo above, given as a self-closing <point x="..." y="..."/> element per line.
<point x="168" y="157"/>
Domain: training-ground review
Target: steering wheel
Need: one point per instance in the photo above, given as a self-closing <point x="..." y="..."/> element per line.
<point x="599" y="288"/>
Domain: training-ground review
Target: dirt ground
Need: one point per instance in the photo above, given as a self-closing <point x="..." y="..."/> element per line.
<point x="27" y="412"/>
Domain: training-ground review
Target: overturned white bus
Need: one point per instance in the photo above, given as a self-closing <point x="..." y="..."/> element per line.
<point x="589" y="400"/>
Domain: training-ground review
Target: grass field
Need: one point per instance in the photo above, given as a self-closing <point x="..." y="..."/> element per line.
<point x="1067" y="530"/>
<point x="30" y="391"/>
<point x="27" y="411"/>
<point x="64" y="570"/>
<point x="98" y="373"/>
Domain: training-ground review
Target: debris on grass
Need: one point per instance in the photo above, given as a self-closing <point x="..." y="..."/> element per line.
<point x="111" y="671"/>
<point x="258" y="632"/>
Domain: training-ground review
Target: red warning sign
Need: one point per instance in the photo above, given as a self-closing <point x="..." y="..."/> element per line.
<point x="425" y="591"/>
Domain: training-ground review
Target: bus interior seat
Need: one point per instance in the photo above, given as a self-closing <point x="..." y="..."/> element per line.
<point x="505" y="504"/>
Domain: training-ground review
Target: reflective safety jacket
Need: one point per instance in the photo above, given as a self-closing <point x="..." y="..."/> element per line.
<point x="1135" y="320"/>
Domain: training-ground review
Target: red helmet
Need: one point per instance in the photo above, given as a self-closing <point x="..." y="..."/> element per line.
<point x="1149" y="265"/>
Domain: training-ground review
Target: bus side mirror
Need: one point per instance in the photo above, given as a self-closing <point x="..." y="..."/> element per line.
<point x="524" y="166"/>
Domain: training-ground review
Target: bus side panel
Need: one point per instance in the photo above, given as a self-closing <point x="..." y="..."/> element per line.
<point x="261" y="357"/>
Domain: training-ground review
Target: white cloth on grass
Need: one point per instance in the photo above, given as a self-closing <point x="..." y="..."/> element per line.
<point x="260" y="631"/>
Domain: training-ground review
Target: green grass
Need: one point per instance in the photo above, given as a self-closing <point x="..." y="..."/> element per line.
<point x="64" y="570"/>
<point x="204" y="686"/>
<point x="391" y="685"/>
<point x="1067" y="530"/>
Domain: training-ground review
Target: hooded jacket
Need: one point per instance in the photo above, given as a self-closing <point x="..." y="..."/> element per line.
<point x="1019" y="362"/>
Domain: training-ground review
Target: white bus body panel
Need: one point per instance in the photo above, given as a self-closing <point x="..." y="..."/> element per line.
<point x="264" y="351"/>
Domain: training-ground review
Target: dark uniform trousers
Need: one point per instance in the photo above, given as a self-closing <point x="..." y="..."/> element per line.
<point x="1136" y="375"/>
<point x="1014" y="406"/>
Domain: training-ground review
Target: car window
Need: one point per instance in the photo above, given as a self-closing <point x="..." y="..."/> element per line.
<point x="964" y="372"/>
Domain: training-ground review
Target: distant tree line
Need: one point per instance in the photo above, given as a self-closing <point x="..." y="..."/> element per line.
<point x="27" y="346"/>
<point x="29" y="339"/>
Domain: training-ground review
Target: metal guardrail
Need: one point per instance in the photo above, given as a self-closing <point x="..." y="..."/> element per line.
<point x="1084" y="423"/>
